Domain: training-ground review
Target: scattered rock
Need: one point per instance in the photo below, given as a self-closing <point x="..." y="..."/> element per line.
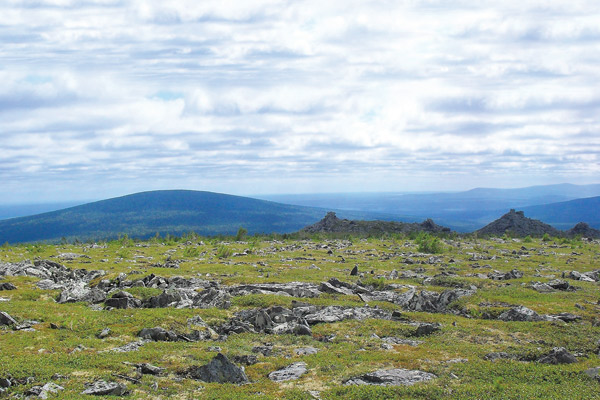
<point x="103" y="388"/>
<point x="395" y="340"/>
<point x="593" y="373"/>
<point x="248" y="359"/>
<point x="158" y="334"/>
<point x="290" y="373"/>
<point x="42" y="392"/>
<point x="103" y="333"/>
<point x="499" y="356"/>
<point x="391" y="377"/>
<point x="7" y="286"/>
<point x="219" y="370"/>
<point x="520" y="313"/>
<point x="558" y="355"/>
<point x="306" y="351"/>
<point x="79" y="292"/>
<point x="150" y="369"/>
<point x="424" y="329"/>
<point x="502" y="276"/>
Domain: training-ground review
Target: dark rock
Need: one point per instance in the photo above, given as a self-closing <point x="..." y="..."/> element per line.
<point x="7" y="286"/>
<point x="559" y="284"/>
<point x="123" y="300"/>
<point x="558" y="355"/>
<point x="290" y="373"/>
<point x="6" y="319"/>
<point x="158" y="334"/>
<point x="391" y="377"/>
<point x="167" y="298"/>
<point x="354" y="271"/>
<point x="103" y="388"/>
<point x="219" y="370"/>
<point x="5" y="383"/>
<point x="424" y="329"/>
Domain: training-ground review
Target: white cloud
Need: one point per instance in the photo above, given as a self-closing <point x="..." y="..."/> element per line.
<point x="220" y="95"/>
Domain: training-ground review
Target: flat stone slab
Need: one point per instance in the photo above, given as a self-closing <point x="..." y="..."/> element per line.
<point x="391" y="377"/>
<point x="289" y="373"/>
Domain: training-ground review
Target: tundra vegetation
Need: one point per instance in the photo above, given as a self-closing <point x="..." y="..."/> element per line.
<point x="468" y="318"/>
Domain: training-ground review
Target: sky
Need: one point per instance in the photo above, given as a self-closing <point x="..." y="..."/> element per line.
<point x="101" y="98"/>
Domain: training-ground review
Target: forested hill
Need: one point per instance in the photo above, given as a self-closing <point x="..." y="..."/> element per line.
<point x="167" y="211"/>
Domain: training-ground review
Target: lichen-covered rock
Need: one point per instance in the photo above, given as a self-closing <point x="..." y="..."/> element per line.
<point x="520" y="313"/>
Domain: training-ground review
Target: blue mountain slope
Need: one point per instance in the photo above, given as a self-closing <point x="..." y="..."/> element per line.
<point x="564" y="215"/>
<point x="169" y="211"/>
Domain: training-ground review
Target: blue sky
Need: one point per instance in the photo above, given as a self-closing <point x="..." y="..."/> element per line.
<point x="101" y="98"/>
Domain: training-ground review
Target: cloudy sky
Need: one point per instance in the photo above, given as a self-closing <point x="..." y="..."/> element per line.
<point x="108" y="97"/>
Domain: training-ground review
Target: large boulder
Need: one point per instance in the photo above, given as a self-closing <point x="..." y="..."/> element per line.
<point x="219" y="370"/>
<point x="391" y="377"/>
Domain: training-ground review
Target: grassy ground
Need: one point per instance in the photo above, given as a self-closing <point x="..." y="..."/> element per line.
<point x="454" y="354"/>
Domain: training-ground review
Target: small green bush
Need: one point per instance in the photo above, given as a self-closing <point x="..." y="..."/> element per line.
<point x="190" y="252"/>
<point x="241" y="234"/>
<point x="224" y="252"/>
<point x="427" y="243"/>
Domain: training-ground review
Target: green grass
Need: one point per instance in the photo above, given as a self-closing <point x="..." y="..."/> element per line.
<point x="353" y="351"/>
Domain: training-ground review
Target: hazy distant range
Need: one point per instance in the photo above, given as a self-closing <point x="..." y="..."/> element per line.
<point x="177" y="211"/>
<point x="560" y="205"/>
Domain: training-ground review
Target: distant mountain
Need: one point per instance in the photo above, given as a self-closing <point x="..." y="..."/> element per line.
<point x="515" y="223"/>
<point x="169" y="211"/>
<point x="564" y="215"/>
<point x="462" y="211"/>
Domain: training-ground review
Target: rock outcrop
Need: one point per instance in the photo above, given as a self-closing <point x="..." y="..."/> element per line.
<point x="517" y="224"/>
<point x="332" y="224"/>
